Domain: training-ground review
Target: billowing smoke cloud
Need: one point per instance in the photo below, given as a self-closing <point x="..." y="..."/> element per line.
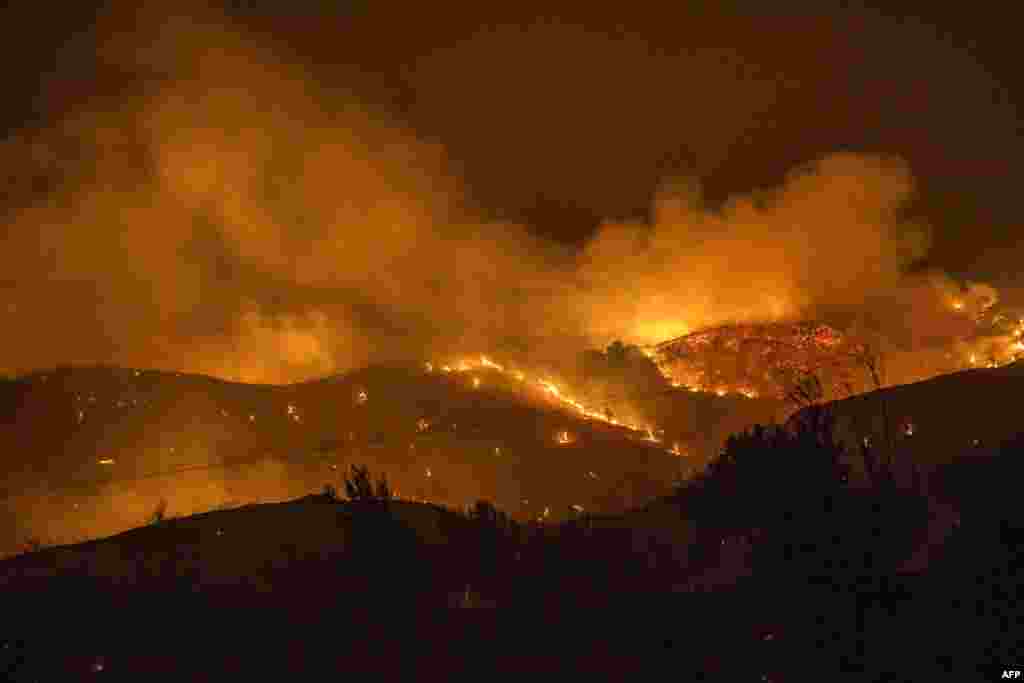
<point x="830" y="236"/>
<point x="233" y="216"/>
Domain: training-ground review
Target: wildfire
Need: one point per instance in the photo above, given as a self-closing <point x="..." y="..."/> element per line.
<point x="958" y="305"/>
<point x="676" y="450"/>
<point x="488" y="363"/>
<point x="476" y="382"/>
<point x="107" y="461"/>
<point x="545" y="385"/>
<point x="564" y="437"/>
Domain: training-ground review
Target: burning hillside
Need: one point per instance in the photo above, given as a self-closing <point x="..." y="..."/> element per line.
<point x="768" y="359"/>
<point x="759" y="359"/>
<point x="94" y="450"/>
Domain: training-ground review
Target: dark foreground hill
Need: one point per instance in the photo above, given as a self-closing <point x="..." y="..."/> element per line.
<point x="750" y="572"/>
<point x="937" y="420"/>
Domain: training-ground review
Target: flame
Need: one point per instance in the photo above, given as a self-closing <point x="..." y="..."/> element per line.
<point x="547" y="386"/>
<point x="958" y="305"/>
<point x="476" y="382"/>
<point x="551" y="388"/>
<point x="488" y="363"/>
<point x="107" y="461"/>
<point x="564" y="437"/>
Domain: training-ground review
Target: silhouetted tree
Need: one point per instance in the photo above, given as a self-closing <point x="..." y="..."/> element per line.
<point x="792" y="486"/>
<point x="616" y="354"/>
<point x="358" y="485"/>
<point x="360" y="488"/>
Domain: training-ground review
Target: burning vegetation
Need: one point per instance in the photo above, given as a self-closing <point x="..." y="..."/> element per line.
<point x="757" y="359"/>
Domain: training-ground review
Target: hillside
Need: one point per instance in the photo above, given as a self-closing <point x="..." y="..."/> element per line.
<point x="934" y="421"/>
<point x="92" y="451"/>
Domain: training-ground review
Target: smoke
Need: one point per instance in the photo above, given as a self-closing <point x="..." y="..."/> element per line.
<point x="226" y="212"/>
<point x="234" y="217"/>
<point x="830" y="237"/>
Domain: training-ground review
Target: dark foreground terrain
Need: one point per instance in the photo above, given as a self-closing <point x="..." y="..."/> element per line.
<point x="753" y="571"/>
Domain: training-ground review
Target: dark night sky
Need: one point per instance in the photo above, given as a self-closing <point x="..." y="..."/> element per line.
<point x="614" y="100"/>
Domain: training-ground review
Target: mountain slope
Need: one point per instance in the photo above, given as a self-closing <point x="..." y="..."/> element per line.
<point x="91" y="451"/>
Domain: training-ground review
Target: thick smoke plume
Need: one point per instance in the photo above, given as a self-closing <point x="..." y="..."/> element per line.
<point x="228" y="214"/>
<point x="832" y="235"/>
<point x="233" y="218"/>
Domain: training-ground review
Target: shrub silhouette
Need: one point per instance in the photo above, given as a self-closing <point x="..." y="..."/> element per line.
<point x="789" y="492"/>
<point x="359" y="487"/>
